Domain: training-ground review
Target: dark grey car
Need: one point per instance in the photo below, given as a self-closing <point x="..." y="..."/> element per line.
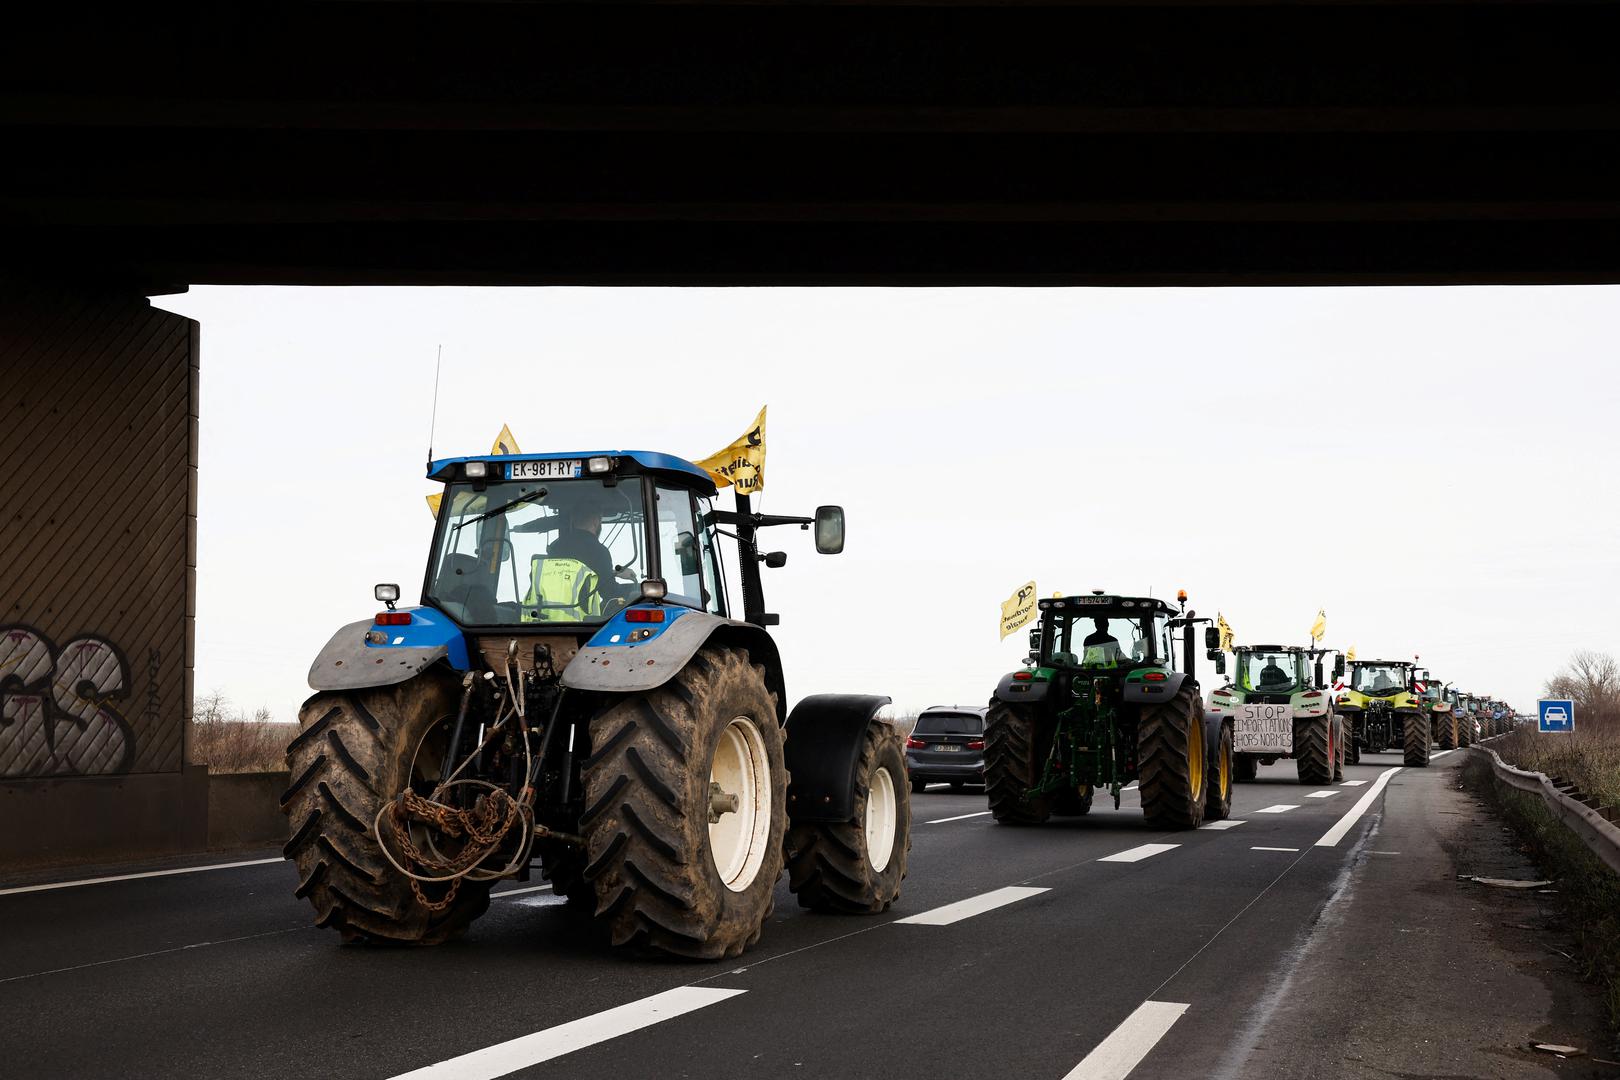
<point x="947" y="746"/>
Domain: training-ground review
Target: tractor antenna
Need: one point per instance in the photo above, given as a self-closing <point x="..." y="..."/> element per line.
<point x="433" y="422"/>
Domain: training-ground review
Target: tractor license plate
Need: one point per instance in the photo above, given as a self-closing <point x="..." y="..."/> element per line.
<point x="1263" y="729"/>
<point x="947" y="749"/>
<point x="568" y="469"/>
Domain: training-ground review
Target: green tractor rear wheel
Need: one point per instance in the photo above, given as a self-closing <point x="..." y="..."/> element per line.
<point x="1218" y="803"/>
<point x="1014" y="754"/>
<point x="1446" y="735"/>
<point x="1415" y="726"/>
<point x="1170" y="761"/>
<point x="1315" y="749"/>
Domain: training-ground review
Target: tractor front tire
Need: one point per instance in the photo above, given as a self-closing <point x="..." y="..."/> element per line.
<point x="1245" y="767"/>
<point x="352" y="756"/>
<point x="1352" y="748"/>
<point x="1338" y="761"/>
<point x="1171" y="765"/>
<point x="1218" y="803"/>
<point x="666" y="877"/>
<point x="1014" y="758"/>
<point x="1315" y="749"/>
<point x="1416" y="730"/>
<point x="855" y="867"/>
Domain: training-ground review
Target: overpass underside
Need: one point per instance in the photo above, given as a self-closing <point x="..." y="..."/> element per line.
<point x="1144" y="143"/>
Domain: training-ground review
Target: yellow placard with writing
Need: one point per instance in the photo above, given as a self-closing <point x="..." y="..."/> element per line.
<point x="742" y="464"/>
<point x="504" y="444"/>
<point x="1018" y="609"/>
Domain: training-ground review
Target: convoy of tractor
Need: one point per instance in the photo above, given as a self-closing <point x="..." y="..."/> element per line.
<point x="579" y="689"/>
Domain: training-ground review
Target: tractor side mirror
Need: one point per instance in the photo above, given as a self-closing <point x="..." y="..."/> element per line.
<point x="774" y="559"/>
<point x="1338" y="667"/>
<point x="686" y="549"/>
<point x="829" y="529"/>
<point x="1220" y="662"/>
<point x="1212" y="640"/>
<point x="1320" y="682"/>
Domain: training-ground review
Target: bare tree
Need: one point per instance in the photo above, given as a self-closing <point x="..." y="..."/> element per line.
<point x="1592" y="681"/>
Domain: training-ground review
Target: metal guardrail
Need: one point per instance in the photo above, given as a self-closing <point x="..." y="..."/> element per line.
<point x="1595" y="831"/>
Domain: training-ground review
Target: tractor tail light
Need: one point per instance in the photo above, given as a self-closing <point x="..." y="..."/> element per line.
<point x="1312" y="693"/>
<point x="1154" y="676"/>
<point x="1022" y="676"/>
<point x="393" y="618"/>
<point x="644" y="615"/>
<point x="976" y="744"/>
<point x="915" y="744"/>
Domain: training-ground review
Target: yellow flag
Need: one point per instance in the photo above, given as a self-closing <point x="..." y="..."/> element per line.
<point x="1351" y="655"/>
<point x="1319" y="627"/>
<point x="1226" y="632"/>
<point x="504" y="444"/>
<point x="1018" y="609"/>
<point x="741" y="464"/>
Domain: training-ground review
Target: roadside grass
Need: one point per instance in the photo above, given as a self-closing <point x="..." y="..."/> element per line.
<point x="1587" y="888"/>
<point x="231" y="741"/>
<point x="1589" y="756"/>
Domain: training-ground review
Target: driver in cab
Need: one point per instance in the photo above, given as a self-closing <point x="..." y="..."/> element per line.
<point x="1101" y="649"/>
<point x="1272" y="675"/>
<point x="579" y="538"/>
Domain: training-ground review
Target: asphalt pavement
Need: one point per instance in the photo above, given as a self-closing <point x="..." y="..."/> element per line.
<point x="1087" y="948"/>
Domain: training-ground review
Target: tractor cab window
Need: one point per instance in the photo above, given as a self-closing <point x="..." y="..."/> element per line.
<point x="538" y="551"/>
<point x="1378" y="679"/>
<point x="714" y="579"/>
<point x="680" y="554"/>
<point x="1278" y="672"/>
<point x="1100" y="641"/>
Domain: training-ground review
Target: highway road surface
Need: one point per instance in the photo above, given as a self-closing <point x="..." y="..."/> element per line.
<point x="1085" y="949"/>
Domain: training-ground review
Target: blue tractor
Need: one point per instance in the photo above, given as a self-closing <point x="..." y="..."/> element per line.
<point x="575" y="689"/>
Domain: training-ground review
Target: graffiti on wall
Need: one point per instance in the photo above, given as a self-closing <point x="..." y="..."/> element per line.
<point x="57" y="716"/>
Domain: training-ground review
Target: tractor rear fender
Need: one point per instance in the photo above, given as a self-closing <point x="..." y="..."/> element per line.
<point x="613" y="664"/>
<point x="350" y="662"/>
<point x="825" y="734"/>
<point x="1148" y="693"/>
<point x="1016" y="691"/>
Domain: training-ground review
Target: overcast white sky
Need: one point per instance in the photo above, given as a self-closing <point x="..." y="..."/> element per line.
<point x="1435" y="467"/>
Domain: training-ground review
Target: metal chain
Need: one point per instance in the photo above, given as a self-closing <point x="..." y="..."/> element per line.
<point x="485" y="825"/>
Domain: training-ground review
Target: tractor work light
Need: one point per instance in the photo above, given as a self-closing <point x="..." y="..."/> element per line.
<point x="475" y="470"/>
<point x="599" y="465"/>
<point x="644" y="615"/>
<point x="654" y="589"/>
<point x="386" y="594"/>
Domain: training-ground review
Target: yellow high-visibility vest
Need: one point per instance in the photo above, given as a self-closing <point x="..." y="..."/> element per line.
<point x="561" y="590"/>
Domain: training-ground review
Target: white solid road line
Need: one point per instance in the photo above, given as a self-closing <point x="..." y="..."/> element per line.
<point x="1274" y="849"/>
<point x="1229" y="823"/>
<point x="973" y="905"/>
<point x="1441" y="754"/>
<point x="1128" y="1044"/>
<point x="518" y="892"/>
<point x="958" y="817"/>
<point x="527" y="1050"/>
<point x="1137" y="854"/>
<point x="1280" y="808"/>
<point x="1321" y="794"/>
<point x="1352" y="783"/>
<point x="132" y="877"/>
<point x="1335" y="834"/>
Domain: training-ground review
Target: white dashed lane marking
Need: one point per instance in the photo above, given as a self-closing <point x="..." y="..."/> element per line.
<point x="1274" y="849"/>
<point x="1352" y="783"/>
<point x="526" y="1050"/>
<point x="973" y="905"/>
<point x="958" y="817"/>
<point x="1229" y="823"/>
<point x="1280" y="808"/>
<point x="1128" y="1044"/>
<point x="1137" y="854"/>
<point x="1321" y="794"/>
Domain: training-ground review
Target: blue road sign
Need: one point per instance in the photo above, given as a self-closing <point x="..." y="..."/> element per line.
<point x="1555" y="715"/>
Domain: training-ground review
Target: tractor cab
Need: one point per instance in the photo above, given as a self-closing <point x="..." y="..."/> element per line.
<point x="1100" y="633"/>
<point x="1271" y="669"/>
<point x="1380" y="678"/>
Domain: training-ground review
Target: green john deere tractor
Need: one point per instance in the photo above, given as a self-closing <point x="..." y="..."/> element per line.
<point x="1280" y="707"/>
<point x="1099" y="704"/>
<point x="1442" y="718"/>
<point x="1382" y="709"/>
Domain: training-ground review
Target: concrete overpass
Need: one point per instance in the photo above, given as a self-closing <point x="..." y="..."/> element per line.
<point x="1085" y="143"/>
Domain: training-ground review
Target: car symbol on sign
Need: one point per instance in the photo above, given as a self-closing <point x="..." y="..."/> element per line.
<point x="1557" y="717"/>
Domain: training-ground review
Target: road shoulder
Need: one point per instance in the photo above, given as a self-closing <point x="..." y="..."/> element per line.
<point x="1413" y="971"/>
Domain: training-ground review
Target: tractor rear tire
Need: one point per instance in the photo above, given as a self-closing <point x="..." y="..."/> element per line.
<point x="1352" y="747"/>
<point x="1315" y="749"/>
<point x="1218" y="803"/>
<point x="1338" y="761"/>
<point x="651" y="849"/>
<point x="1014" y="758"/>
<point x="855" y="867"/>
<point x="1171" y="766"/>
<point x="1416" y="728"/>
<point x="1245" y="767"/>
<point x="1447" y="735"/>
<point x="352" y="756"/>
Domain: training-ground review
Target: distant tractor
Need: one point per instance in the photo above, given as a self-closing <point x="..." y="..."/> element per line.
<point x="1463" y="715"/>
<point x="1442" y="718"/>
<point x="574" y="688"/>
<point x="1101" y="704"/>
<point x="1382" y="709"/>
<point x="1281" y="707"/>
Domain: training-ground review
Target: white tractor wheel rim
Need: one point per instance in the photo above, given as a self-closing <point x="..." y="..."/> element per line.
<point x="882" y="817"/>
<point x="738" y="840"/>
